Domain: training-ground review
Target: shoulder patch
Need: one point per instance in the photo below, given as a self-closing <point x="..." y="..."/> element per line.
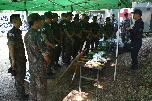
<point x="10" y="34"/>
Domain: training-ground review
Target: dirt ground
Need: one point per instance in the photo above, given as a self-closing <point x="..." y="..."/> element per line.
<point x="125" y="88"/>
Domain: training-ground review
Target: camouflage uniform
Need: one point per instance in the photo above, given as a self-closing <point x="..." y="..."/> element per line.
<point x="56" y="33"/>
<point x="14" y="36"/>
<point x="48" y="33"/>
<point x="67" y="26"/>
<point x="35" y="48"/>
<point x="86" y="26"/>
<point x="95" y="27"/>
<point x="108" y="30"/>
<point x="125" y="24"/>
<point x="76" y="44"/>
<point x="82" y="41"/>
<point x="62" y="38"/>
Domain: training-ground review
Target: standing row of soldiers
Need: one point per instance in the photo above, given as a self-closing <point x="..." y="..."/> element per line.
<point x="68" y="36"/>
<point x="43" y="42"/>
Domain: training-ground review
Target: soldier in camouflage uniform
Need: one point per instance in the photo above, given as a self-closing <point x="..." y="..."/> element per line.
<point x="77" y="36"/>
<point x="86" y="33"/>
<point x="57" y="38"/>
<point x="38" y="59"/>
<point x="47" y="34"/>
<point x="95" y="28"/>
<point x="63" y="16"/>
<point x="114" y="22"/>
<point x="17" y="54"/>
<point x="82" y="22"/>
<point x="108" y="29"/>
<point x="68" y="30"/>
<point x="125" y="24"/>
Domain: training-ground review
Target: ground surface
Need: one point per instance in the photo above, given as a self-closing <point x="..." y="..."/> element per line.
<point x="125" y="88"/>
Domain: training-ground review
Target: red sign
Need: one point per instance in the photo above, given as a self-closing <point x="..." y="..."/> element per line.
<point x="122" y="14"/>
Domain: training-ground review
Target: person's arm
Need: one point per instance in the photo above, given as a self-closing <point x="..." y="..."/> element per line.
<point x="43" y="48"/>
<point x="11" y="44"/>
<point x="66" y="32"/>
<point x="86" y="31"/>
<point x="48" y="42"/>
<point x="98" y="35"/>
<point x="69" y="36"/>
<point x="113" y="33"/>
<point x="104" y="31"/>
<point x="56" y="39"/>
<point x="80" y="35"/>
<point x="44" y="35"/>
<point x="11" y="51"/>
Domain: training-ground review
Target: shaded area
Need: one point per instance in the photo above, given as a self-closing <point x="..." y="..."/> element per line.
<point x="125" y="88"/>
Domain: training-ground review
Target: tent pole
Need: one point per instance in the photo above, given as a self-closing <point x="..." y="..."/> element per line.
<point x="25" y="9"/>
<point x="118" y="33"/>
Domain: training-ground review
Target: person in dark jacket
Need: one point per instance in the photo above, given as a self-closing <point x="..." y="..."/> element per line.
<point x="136" y="39"/>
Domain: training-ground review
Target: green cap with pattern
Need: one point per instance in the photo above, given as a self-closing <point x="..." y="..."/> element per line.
<point x="34" y="17"/>
<point x="54" y="15"/>
<point x="48" y="14"/>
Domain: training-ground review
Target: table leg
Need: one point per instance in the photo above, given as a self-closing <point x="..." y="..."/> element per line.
<point x="97" y="85"/>
<point x="80" y="81"/>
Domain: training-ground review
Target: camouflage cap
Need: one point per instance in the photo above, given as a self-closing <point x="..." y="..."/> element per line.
<point x="48" y="14"/>
<point x="108" y="19"/>
<point x="63" y="14"/>
<point x="83" y="14"/>
<point x="54" y="15"/>
<point x="86" y="17"/>
<point x="69" y="14"/>
<point x="33" y="17"/>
